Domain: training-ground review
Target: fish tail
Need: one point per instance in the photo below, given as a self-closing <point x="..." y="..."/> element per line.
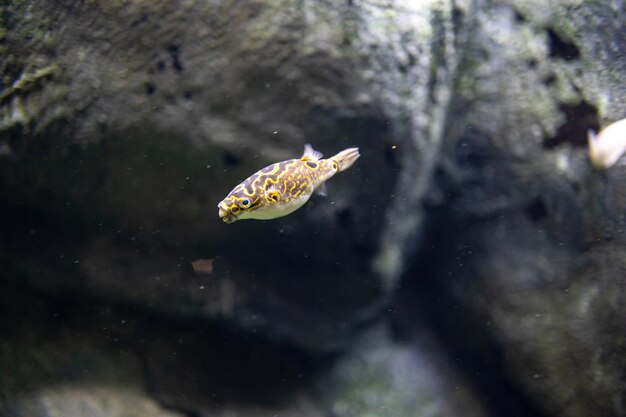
<point x="346" y="158"/>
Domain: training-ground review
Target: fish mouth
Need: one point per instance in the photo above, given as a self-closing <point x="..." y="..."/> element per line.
<point x="225" y="215"/>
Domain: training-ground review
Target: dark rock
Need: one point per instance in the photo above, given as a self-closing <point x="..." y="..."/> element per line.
<point x="62" y="359"/>
<point x="399" y="379"/>
<point x="529" y="249"/>
<point x="122" y="124"/>
<point x="554" y="312"/>
<point x="93" y="402"/>
<point x="115" y="188"/>
<point x="85" y="358"/>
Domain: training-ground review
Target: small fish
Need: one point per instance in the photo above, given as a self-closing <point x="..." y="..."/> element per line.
<point x="608" y="146"/>
<point x="283" y="187"/>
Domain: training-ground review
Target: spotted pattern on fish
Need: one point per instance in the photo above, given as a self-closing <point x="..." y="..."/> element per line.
<point x="283" y="187"/>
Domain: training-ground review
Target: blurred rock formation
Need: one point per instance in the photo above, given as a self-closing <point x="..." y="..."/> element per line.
<point x="470" y="262"/>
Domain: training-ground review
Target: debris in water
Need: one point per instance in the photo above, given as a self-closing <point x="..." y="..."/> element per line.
<point x="202" y="266"/>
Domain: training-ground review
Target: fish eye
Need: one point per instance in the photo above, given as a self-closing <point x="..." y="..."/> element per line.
<point x="335" y="166"/>
<point x="245" y="203"/>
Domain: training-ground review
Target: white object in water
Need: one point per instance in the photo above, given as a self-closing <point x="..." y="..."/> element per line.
<point x="607" y="147"/>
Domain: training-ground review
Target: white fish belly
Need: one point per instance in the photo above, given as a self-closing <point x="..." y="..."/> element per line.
<point x="279" y="210"/>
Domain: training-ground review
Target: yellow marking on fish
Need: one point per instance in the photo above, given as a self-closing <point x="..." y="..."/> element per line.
<point x="283" y="187"/>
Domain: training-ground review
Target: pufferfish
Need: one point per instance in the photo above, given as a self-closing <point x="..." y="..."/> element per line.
<point x="281" y="188"/>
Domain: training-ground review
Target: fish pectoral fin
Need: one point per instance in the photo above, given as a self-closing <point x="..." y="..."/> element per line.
<point x="311" y="154"/>
<point x="321" y="190"/>
<point x="272" y="193"/>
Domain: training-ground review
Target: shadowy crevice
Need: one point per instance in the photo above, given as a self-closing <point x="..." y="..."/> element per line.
<point x="536" y="211"/>
<point x="186" y="364"/>
<point x="427" y="299"/>
<point x="560" y="47"/>
<point x="579" y="118"/>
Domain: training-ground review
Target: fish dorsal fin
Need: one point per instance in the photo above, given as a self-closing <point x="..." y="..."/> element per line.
<point x="311" y="154"/>
<point x="272" y="193"/>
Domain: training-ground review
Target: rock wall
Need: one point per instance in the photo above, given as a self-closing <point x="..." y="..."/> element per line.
<point x="530" y="244"/>
<point x="470" y="262"/>
<point x="145" y="115"/>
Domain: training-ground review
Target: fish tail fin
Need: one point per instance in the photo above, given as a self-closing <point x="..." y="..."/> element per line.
<point x="346" y="158"/>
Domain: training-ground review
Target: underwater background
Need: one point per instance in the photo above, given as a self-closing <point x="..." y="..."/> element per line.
<point x="471" y="262"/>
